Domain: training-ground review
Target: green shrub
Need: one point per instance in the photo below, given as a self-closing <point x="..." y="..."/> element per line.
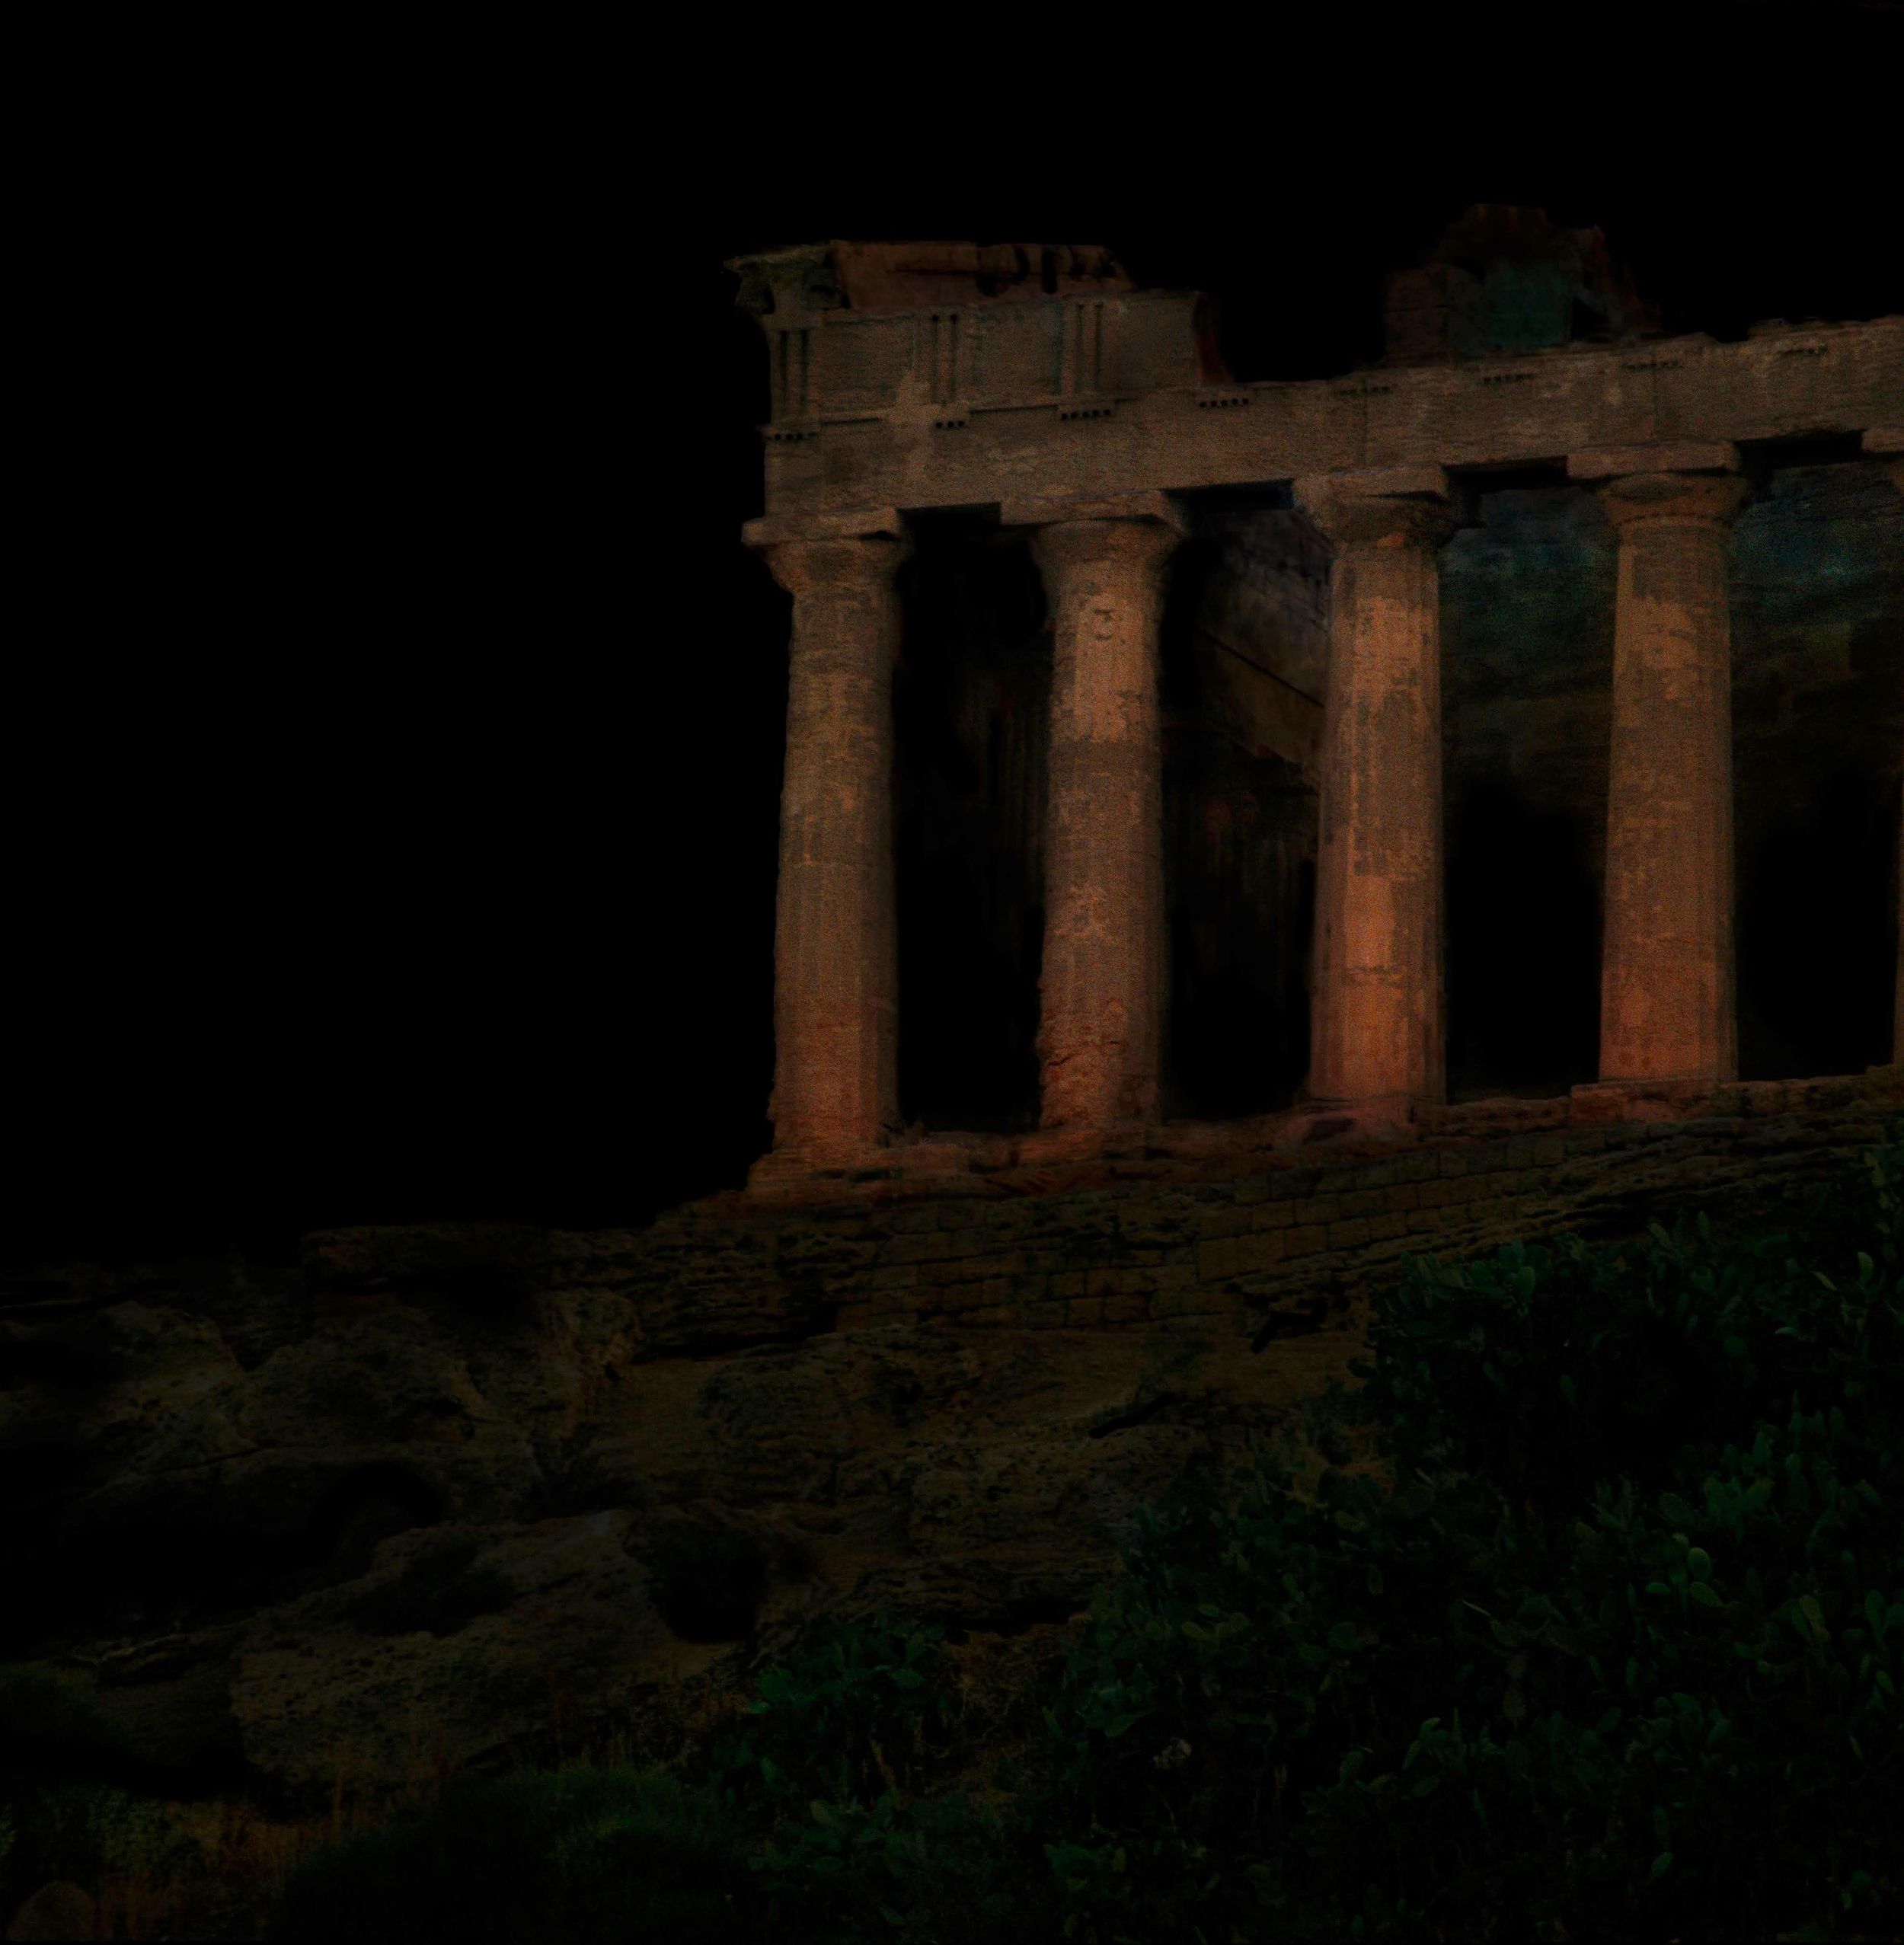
<point x="864" y="1706"/>
<point x="842" y="1740"/>
<point x="1392" y="1713"/>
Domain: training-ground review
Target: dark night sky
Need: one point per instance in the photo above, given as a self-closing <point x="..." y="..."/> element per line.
<point x="394" y="830"/>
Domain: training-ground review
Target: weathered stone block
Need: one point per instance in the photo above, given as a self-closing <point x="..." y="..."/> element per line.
<point x="1259" y="1251"/>
<point x="931" y="1246"/>
<point x="1215" y="1223"/>
<point x="1219" y="1259"/>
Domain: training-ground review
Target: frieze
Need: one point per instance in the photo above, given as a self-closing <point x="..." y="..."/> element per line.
<point x="1181" y="436"/>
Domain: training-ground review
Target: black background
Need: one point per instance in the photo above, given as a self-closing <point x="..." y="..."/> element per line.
<point x="391" y="788"/>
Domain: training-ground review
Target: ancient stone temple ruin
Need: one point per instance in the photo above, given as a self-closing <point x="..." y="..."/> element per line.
<point x="1247" y="725"/>
<point x="1236" y="836"/>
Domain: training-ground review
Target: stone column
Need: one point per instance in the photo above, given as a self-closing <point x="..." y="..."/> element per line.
<point x="1897" y="471"/>
<point x="1377" y="1021"/>
<point x="1668" y="1007"/>
<point x="1888" y="441"/>
<point x="1101" y="989"/>
<point x="836" y="1093"/>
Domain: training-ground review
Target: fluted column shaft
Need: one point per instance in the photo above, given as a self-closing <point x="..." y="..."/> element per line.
<point x="1668" y="969"/>
<point x="1889" y="443"/>
<point x="1101" y="987"/>
<point x="1377" y="1016"/>
<point x="835" y="955"/>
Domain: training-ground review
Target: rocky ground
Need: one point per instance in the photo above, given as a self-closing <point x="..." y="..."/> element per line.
<point x="455" y="1497"/>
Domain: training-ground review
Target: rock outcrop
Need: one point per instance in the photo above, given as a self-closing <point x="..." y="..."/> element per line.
<point x="442" y="1496"/>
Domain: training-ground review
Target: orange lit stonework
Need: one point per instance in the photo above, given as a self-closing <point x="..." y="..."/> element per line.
<point x="1035" y="385"/>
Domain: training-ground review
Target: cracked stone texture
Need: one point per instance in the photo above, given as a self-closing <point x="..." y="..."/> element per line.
<point x="432" y="1521"/>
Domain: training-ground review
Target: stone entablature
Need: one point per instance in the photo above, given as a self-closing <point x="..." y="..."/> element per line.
<point x="902" y="432"/>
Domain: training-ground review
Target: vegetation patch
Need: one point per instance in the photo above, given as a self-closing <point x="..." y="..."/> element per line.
<point x="578" y="1853"/>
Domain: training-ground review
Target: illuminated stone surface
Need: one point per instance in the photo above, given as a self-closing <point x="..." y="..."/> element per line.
<point x="1034" y="386"/>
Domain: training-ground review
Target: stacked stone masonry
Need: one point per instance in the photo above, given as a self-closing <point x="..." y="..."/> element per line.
<point x="1207" y="1232"/>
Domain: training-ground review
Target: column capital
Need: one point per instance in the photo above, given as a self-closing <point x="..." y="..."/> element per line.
<point x="830" y="550"/>
<point x="1669" y="480"/>
<point x="856" y="523"/>
<point x="1387" y="506"/>
<point x="1065" y="546"/>
<point x="1152" y="509"/>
